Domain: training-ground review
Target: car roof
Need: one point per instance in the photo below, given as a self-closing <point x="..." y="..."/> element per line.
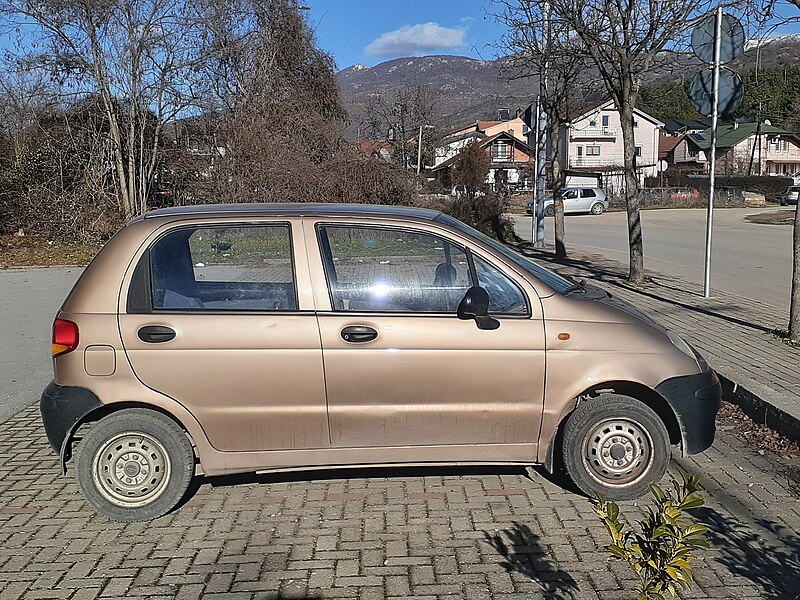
<point x="293" y="209"/>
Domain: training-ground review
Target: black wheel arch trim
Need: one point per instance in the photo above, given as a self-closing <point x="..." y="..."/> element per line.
<point x="63" y="407"/>
<point x="695" y="400"/>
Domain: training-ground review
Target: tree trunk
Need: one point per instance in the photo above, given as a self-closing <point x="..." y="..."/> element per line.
<point x="631" y="190"/>
<point x="558" y="203"/>
<point x="794" y="311"/>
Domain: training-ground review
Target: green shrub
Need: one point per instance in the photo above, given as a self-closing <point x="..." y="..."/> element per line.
<point x="661" y="552"/>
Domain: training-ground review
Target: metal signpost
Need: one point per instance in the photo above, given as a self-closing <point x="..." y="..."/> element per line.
<point x="540" y="162"/>
<point x="716" y="40"/>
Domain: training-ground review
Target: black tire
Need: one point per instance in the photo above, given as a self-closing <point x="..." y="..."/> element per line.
<point x="134" y="465"/>
<point x="616" y="446"/>
<point x="549" y="210"/>
<point x="598" y="208"/>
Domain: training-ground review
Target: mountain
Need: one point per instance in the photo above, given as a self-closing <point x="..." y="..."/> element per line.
<point x="469" y="89"/>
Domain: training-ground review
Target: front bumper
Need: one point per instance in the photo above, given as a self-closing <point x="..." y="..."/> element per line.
<point x="695" y="400"/>
<point x="62" y="408"/>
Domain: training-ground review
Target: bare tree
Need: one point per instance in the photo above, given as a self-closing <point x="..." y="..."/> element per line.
<point x="136" y="55"/>
<point x="272" y="115"/>
<point x="548" y="53"/>
<point x="624" y="39"/>
<point x="399" y="113"/>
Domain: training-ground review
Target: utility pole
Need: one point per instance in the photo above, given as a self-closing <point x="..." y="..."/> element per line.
<point x="419" y="150"/>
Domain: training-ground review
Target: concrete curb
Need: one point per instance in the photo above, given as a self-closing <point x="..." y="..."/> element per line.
<point x="760" y="410"/>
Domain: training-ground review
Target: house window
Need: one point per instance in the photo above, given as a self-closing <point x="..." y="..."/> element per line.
<point x="784" y="145"/>
<point x="638" y="152"/>
<point x="592" y="150"/>
<point x="593" y="123"/>
<point x="692" y="152"/>
<point x="605" y="120"/>
<point x="636" y="122"/>
<point x="500" y="151"/>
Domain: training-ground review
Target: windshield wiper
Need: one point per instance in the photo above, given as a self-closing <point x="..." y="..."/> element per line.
<point x="578" y="286"/>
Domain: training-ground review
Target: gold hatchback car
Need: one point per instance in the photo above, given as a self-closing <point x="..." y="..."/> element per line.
<point x="250" y="338"/>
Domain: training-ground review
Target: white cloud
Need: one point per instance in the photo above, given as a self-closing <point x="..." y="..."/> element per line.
<point x="416" y="40"/>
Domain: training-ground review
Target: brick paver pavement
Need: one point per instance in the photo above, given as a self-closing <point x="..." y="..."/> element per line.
<point x="431" y="533"/>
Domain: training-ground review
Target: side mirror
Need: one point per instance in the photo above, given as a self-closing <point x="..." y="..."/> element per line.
<point x="475" y="305"/>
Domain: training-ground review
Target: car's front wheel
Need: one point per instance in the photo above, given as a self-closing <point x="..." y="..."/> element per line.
<point x="616" y="446"/>
<point x="598" y="208"/>
<point x="134" y="465"/>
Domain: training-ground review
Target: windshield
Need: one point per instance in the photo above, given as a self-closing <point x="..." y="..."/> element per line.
<point x="556" y="282"/>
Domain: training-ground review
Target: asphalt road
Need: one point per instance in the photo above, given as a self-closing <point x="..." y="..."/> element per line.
<point x="750" y="260"/>
<point x="29" y="300"/>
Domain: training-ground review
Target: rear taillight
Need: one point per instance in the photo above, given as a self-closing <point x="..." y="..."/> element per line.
<point x="65" y="337"/>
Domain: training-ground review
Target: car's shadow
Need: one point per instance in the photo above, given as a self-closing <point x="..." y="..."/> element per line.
<point x="558" y="478"/>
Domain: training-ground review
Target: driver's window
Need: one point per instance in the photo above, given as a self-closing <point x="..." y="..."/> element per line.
<point x="570" y="194"/>
<point x="373" y="269"/>
<point x="505" y="298"/>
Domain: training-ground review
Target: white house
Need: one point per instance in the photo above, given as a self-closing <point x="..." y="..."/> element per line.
<point x="591" y="147"/>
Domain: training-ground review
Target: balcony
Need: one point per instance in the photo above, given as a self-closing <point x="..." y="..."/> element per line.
<point x="593" y="133"/>
<point x="592" y="162"/>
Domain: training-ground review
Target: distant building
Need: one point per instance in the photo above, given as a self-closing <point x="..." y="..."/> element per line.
<point x="678" y="127"/>
<point x="510" y="161"/>
<point x="591" y="147"/>
<point x="744" y="148"/>
<point x="682" y="153"/>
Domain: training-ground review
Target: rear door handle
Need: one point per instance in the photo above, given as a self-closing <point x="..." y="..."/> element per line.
<point x="358" y="334"/>
<point x="156" y="334"/>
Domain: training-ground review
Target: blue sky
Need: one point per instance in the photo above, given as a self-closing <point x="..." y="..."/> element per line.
<point x="371" y="31"/>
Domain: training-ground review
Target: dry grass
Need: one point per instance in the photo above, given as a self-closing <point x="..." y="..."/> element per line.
<point x="37" y="251"/>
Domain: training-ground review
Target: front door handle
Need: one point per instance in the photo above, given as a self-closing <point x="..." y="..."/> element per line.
<point x="156" y="334"/>
<point x="358" y="334"/>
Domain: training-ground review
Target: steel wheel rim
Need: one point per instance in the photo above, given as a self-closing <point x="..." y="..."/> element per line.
<point x="617" y="452"/>
<point x="131" y="469"/>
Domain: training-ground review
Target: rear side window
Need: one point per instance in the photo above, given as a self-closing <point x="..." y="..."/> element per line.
<point x="587" y="193"/>
<point x="223" y="268"/>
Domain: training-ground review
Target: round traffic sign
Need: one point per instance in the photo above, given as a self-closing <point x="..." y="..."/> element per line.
<point x="731" y="41"/>
<point x="701" y="91"/>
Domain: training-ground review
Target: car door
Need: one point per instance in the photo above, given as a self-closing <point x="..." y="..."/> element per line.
<point x="571" y="198"/>
<point x="587" y="197"/>
<point x="401" y="368"/>
<point x="213" y="319"/>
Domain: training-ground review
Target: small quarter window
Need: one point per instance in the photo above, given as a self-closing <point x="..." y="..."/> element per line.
<point x="505" y="298"/>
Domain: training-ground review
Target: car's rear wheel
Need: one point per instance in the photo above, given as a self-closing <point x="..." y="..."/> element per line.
<point x="616" y="446"/>
<point x="549" y="210"/>
<point x="134" y="465"/>
<point x="598" y="208"/>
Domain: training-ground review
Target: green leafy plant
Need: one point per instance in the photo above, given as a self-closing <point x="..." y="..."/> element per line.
<point x="662" y="551"/>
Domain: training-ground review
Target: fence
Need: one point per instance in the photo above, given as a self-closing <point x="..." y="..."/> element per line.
<point x="683" y="197"/>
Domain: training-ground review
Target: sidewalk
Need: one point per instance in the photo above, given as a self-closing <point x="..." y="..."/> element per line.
<point x="760" y="372"/>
